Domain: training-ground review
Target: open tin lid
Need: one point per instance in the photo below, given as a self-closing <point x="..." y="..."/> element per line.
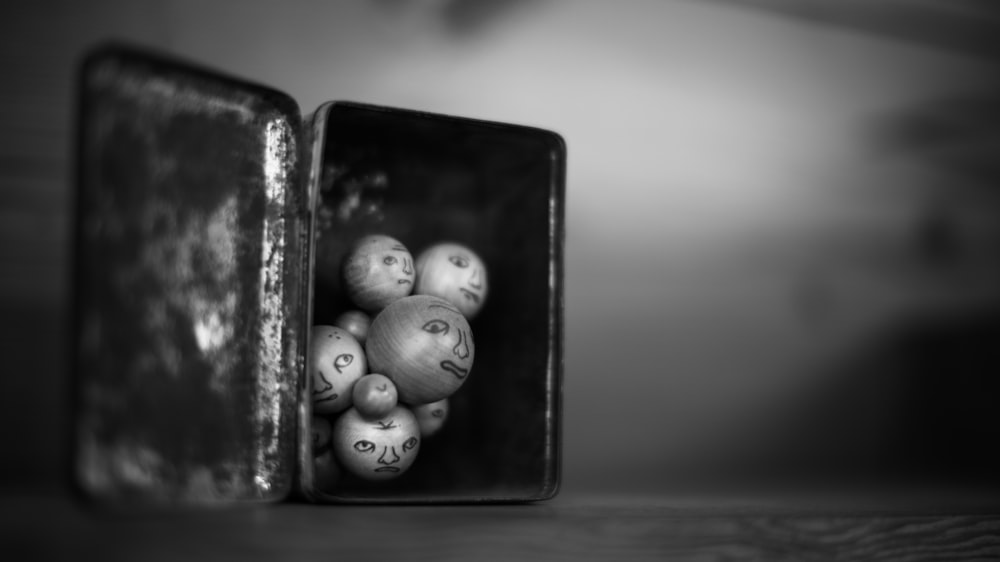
<point x="192" y="249"/>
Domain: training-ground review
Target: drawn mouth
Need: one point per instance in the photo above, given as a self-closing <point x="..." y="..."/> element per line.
<point x="386" y="469"/>
<point x="454" y="369"/>
<point x="404" y="282"/>
<point x="469" y="295"/>
<point x="330" y="397"/>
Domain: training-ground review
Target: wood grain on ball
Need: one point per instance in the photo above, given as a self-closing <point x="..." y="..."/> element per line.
<point x="378" y="270"/>
<point x="424" y="344"/>
<point x="355" y="322"/>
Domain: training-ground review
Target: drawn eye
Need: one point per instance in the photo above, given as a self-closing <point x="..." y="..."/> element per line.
<point x="439" y="413"/>
<point x="364" y="446"/>
<point x="410" y="443"/>
<point x="389" y="260"/>
<point x="459" y="261"/>
<point x="436" y="327"/>
<point x="342" y="360"/>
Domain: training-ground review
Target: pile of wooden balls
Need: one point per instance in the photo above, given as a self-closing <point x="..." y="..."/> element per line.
<point x="382" y="374"/>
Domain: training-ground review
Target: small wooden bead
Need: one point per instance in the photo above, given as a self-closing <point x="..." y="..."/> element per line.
<point x="424" y="345"/>
<point x="321" y="431"/>
<point x="356" y="323"/>
<point x="431" y="417"/>
<point x="376" y="449"/>
<point x="378" y="269"/>
<point x="336" y="361"/>
<point x="375" y="395"/>
<point x="454" y="273"/>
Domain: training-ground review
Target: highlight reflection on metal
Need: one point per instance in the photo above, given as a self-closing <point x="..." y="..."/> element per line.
<point x="279" y="156"/>
<point x="188" y="223"/>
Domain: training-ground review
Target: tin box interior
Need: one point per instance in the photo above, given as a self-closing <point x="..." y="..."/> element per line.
<point x="424" y="179"/>
<point x="210" y="228"/>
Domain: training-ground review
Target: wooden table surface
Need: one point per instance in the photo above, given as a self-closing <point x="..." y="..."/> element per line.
<point x="570" y="527"/>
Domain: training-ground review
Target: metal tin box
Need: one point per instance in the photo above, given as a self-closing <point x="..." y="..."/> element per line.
<point x="211" y="224"/>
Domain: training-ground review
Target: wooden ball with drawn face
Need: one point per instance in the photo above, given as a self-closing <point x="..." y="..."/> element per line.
<point x="431" y="417"/>
<point x="424" y="345"/>
<point x="355" y="322"/>
<point x="454" y="273"/>
<point x="376" y="449"/>
<point x="377" y="270"/>
<point x="336" y="362"/>
<point x="321" y="430"/>
<point x="326" y="473"/>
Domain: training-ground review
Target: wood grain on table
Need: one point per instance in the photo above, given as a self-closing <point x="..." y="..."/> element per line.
<point x="53" y="527"/>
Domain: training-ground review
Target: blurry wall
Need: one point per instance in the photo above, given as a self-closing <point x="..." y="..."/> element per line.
<point x="782" y="250"/>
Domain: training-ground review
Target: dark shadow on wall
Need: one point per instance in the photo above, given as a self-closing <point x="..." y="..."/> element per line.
<point x="917" y="403"/>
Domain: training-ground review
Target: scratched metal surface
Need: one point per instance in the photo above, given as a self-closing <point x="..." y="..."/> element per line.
<point x="189" y="288"/>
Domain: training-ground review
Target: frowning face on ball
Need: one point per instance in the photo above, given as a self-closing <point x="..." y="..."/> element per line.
<point x="424" y="344"/>
<point x="376" y="449"/>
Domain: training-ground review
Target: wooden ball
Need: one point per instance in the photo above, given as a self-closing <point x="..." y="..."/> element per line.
<point x="376" y="449"/>
<point x="431" y="417"/>
<point x="321" y="430"/>
<point x="375" y="395"/>
<point x="377" y="270"/>
<point x="336" y="362"/>
<point x="424" y="345"/>
<point x="454" y="273"/>
<point x="356" y="323"/>
<point x="326" y="472"/>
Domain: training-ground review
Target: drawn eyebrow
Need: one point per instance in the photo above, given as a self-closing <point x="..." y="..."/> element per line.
<point x="448" y="307"/>
<point x="385" y="425"/>
<point x="398" y="247"/>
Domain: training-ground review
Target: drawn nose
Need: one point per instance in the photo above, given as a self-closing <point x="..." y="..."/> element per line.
<point x="326" y="385"/>
<point x="476" y="281"/>
<point x="461" y="349"/>
<point x="407" y="266"/>
<point x="386" y="451"/>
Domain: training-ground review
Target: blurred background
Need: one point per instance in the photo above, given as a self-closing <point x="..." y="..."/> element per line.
<point x="783" y="217"/>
